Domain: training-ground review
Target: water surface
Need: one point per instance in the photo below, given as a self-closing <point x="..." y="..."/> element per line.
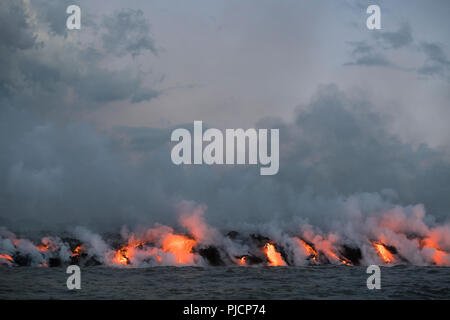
<point x="318" y="282"/>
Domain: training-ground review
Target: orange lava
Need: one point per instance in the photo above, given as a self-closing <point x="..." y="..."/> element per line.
<point x="275" y="258"/>
<point x="242" y="261"/>
<point x="383" y="252"/>
<point x="43" y="247"/>
<point x="309" y="250"/>
<point x="179" y="245"/>
<point x="439" y="256"/>
<point x="124" y="255"/>
<point x="7" y="257"/>
<point x="47" y="245"/>
<point x="121" y="256"/>
<point x="342" y="260"/>
<point x="77" y="251"/>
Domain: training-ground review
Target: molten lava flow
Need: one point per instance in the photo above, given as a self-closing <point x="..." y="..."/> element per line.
<point x="334" y="256"/>
<point x="123" y="255"/>
<point x="43" y="247"/>
<point x="179" y="245"/>
<point x="309" y="249"/>
<point x="47" y="245"/>
<point x="77" y="251"/>
<point x="439" y="256"/>
<point x="275" y="258"/>
<point x="7" y="257"/>
<point x="383" y="252"/>
<point x="242" y="261"/>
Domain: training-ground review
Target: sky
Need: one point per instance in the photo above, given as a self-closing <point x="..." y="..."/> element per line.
<point x="86" y="115"/>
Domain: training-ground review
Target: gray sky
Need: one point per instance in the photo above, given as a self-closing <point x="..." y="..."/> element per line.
<point x="86" y="115"/>
<point x="230" y="63"/>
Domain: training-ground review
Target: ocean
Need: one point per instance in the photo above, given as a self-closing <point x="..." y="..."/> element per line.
<point x="315" y="282"/>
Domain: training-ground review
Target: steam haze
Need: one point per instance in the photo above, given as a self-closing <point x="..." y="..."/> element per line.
<point x="86" y="115"/>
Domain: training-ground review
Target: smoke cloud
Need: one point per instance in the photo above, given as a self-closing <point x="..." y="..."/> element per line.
<point x="339" y="162"/>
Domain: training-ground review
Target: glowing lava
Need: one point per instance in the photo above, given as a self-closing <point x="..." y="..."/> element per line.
<point x="7" y="257"/>
<point x="242" y="261"/>
<point x="179" y="245"/>
<point x="47" y="245"/>
<point x="77" y="251"/>
<point x="334" y="256"/>
<point x="43" y="248"/>
<point x="439" y="256"/>
<point x="124" y="255"/>
<point x="383" y="252"/>
<point x="121" y="256"/>
<point x="308" y="249"/>
<point x="275" y="258"/>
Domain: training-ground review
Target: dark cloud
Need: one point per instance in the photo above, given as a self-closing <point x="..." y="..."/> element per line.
<point x="59" y="77"/>
<point x="395" y="39"/>
<point x="436" y="62"/>
<point x="144" y="94"/>
<point x="336" y="149"/>
<point x="48" y="159"/>
<point x="16" y="34"/>
<point x="15" y="31"/>
<point x="372" y="52"/>
<point x="53" y="13"/>
<point x="57" y="176"/>
<point x="345" y="148"/>
<point x="127" y="31"/>
<point x="366" y="55"/>
<point x="67" y="173"/>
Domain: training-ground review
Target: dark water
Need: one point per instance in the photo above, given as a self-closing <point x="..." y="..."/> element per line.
<point x="324" y="282"/>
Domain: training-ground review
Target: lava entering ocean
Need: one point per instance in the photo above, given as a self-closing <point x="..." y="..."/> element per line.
<point x="274" y="257"/>
<point x="387" y="239"/>
<point x="384" y="253"/>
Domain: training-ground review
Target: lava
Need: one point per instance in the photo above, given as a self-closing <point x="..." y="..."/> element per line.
<point x="179" y="245"/>
<point x="121" y="256"/>
<point x="78" y="250"/>
<point x="334" y="256"/>
<point x="124" y="255"/>
<point x="308" y="249"/>
<point x="43" y="247"/>
<point x="440" y="257"/>
<point x="275" y="258"/>
<point x="201" y="244"/>
<point x="7" y="257"/>
<point x="242" y="261"/>
<point x="47" y="245"/>
<point x="383" y="252"/>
